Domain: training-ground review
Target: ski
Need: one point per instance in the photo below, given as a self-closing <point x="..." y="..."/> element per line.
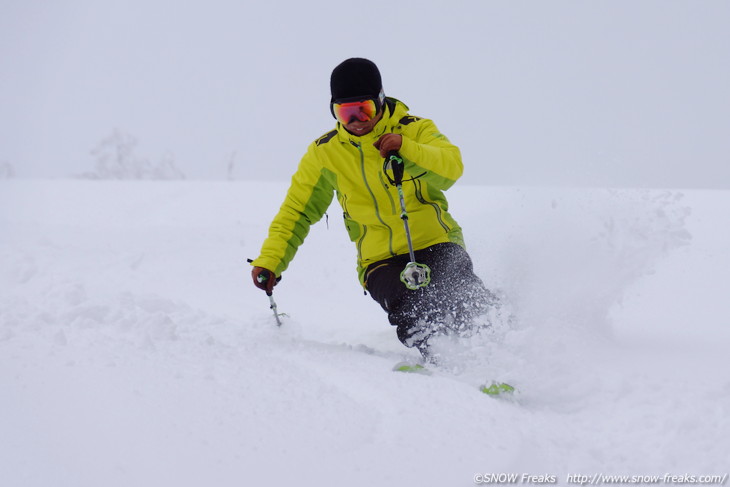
<point x="497" y="389"/>
<point x="493" y="389"/>
<point x="411" y="368"/>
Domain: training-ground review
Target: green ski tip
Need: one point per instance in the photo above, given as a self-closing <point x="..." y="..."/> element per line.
<point x="411" y="368"/>
<point x="497" y="388"/>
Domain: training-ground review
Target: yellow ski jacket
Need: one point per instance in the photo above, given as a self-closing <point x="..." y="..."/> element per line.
<point x="350" y="166"/>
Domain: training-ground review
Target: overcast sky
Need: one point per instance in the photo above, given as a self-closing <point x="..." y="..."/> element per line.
<point x="587" y="93"/>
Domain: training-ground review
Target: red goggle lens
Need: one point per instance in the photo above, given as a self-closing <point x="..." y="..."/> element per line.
<point x="355" y="111"/>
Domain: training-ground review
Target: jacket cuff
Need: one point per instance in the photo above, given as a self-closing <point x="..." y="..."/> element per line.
<point x="266" y="263"/>
<point x="408" y="148"/>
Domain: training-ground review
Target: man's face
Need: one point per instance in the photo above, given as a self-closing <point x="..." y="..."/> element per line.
<point x="358" y="128"/>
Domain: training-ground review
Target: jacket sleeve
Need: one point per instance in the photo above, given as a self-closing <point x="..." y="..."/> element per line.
<point x="307" y="199"/>
<point x="425" y="149"/>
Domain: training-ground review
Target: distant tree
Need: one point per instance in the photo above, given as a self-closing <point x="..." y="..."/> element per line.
<point x="232" y="167"/>
<point x="116" y="159"/>
<point x="7" y="171"/>
<point x="166" y="169"/>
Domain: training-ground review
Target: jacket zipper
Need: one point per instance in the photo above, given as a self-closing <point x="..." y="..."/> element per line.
<point x="390" y="197"/>
<point x="359" y="242"/>
<point x="375" y="203"/>
<point x="436" y="207"/>
<point x="344" y="205"/>
<point x="346" y="214"/>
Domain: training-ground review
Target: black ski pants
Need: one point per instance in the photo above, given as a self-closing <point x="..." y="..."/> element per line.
<point x="454" y="297"/>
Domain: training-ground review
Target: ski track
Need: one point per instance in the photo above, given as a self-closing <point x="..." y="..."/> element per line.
<point x="134" y="351"/>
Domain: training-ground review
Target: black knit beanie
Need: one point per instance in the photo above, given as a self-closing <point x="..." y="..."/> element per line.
<point x="355" y="77"/>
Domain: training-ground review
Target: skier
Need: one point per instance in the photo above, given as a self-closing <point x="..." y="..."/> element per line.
<point x="349" y="161"/>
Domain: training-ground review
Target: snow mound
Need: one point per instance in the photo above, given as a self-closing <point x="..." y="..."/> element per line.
<point x="135" y="351"/>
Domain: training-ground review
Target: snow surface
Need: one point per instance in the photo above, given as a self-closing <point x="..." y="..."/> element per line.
<point x="135" y="352"/>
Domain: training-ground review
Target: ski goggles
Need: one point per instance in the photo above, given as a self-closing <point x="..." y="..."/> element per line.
<point x="353" y="111"/>
<point x="360" y="109"/>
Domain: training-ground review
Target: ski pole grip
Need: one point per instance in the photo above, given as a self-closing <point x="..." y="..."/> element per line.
<point x="396" y="165"/>
<point x="264" y="279"/>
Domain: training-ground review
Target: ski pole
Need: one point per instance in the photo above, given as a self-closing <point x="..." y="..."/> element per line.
<point x="261" y="278"/>
<point x="273" y="307"/>
<point x="414" y="275"/>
